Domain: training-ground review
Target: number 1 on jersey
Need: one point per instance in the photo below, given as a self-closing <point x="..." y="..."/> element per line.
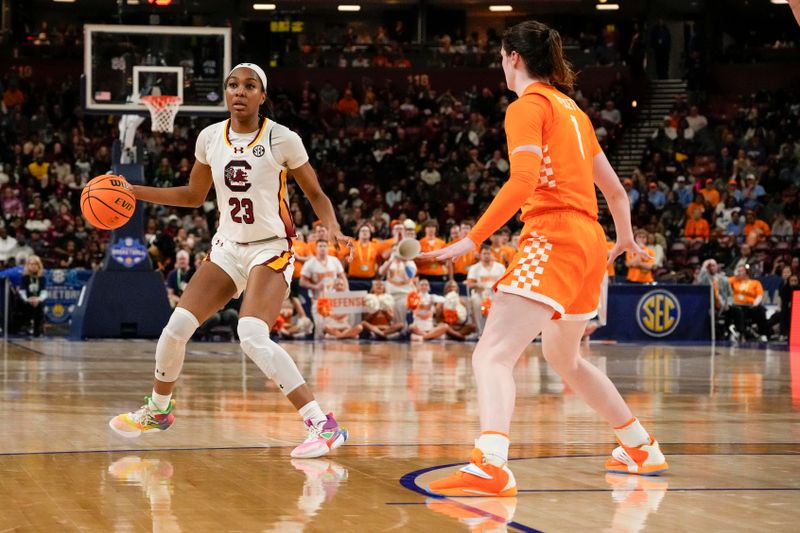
<point x="578" y="133"/>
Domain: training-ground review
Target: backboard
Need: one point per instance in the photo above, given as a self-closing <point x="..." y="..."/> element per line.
<point x="124" y="62"/>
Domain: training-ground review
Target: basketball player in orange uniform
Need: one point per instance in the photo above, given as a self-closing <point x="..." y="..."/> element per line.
<point x="247" y="159"/>
<point x="552" y="285"/>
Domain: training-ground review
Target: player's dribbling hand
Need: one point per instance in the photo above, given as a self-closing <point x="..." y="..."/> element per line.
<point x="343" y="240"/>
<point x="620" y="247"/>
<point x="455" y="250"/>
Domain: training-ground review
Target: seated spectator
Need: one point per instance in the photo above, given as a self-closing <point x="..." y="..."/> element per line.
<point x="379" y="318"/>
<point x="425" y="311"/>
<point x="696" y="229"/>
<point x="748" y="295"/>
<point x="640" y="267"/>
<point x="611" y="114"/>
<point x="782" y="228"/>
<point x="710" y="193"/>
<point x="292" y="322"/>
<point x="431" y="270"/>
<point x="364" y="261"/>
<point x="684" y="190"/>
<point x="339" y="326"/>
<point x="33" y="293"/>
<point x="631" y="191"/>
<point x="224" y="322"/>
<point x="178" y="278"/>
<point x="480" y="281"/>
<point x="755" y="229"/>
<point x="695" y="120"/>
<point x="698" y="204"/>
<point x="655" y="196"/>
<point x="710" y="274"/>
<point x="8" y="244"/>
<point x="752" y="193"/>
<point x="460" y="323"/>
<point x="784" y="317"/>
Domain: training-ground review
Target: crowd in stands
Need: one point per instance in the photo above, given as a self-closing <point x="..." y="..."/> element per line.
<point x="717" y="201"/>
<point x="418" y="162"/>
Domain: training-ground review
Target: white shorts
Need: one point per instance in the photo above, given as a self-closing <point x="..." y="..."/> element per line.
<point x="237" y="260"/>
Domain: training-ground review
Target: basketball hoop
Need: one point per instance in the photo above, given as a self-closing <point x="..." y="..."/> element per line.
<point x="162" y="111"/>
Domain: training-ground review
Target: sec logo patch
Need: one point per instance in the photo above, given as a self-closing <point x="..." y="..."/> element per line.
<point x="258" y="151"/>
<point x="658" y="313"/>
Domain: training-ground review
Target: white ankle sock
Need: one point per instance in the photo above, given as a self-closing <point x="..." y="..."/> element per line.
<point x="632" y="434"/>
<point x="494" y="447"/>
<point x="312" y="411"/>
<point x="161" y="400"/>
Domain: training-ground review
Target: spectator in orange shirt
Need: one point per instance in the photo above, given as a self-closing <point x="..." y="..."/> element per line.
<point x="748" y="295"/>
<point x="699" y="203"/>
<point x="321" y="234"/>
<point x="500" y="252"/>
<point x="387" y="246"/>
<point x="431" y="270"/>
<point x="462" y="264"/>
<point x="364" y="262"/>
<point x="12" y="96"/>
<point x="301" y="255"/>
<point x="755" y="229"/>
<point x="640" y="267"/>
<point x="348" y="105"/>
<point x="710" y="193"/>
<point x="611" y="268"/>
<point x="697" y="227"/>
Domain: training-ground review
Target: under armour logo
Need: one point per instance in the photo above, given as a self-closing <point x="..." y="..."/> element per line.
<point x="238" y="149"/>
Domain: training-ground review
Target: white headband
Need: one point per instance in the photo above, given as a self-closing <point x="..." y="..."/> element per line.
<point x="255" y="68"/>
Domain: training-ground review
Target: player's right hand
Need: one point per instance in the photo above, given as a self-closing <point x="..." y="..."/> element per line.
<point x="627" y="245"/>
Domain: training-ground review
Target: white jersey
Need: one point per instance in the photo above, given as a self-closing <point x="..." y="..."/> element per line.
<point x="327" y="273"/>
<point x="250" y="171"/>
<point x="486" y="277"/>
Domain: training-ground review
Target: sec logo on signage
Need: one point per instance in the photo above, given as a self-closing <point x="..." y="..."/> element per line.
<point x="658" y="313"/>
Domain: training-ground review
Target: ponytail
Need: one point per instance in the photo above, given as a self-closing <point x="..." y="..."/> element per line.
<point x="541" y="49"/>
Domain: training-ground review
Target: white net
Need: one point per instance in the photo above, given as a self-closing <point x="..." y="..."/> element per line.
<point x="163" y="110"/>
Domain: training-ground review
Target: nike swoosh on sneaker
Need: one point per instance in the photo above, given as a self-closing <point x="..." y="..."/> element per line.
<point x="473" y="469"/>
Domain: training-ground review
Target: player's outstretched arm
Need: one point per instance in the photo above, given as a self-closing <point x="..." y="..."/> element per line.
<point x="307" y="180"/>
<point x="608" y="183"/>
<point x="191" y="195"/>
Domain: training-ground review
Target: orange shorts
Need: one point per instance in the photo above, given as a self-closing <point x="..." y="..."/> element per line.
<point x="561" y="262"/>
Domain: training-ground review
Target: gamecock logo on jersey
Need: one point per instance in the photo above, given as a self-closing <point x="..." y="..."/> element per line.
<point x="236" y="175"/>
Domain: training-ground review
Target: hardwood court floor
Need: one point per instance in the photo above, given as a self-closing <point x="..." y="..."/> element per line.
<point x="728" y="419"/>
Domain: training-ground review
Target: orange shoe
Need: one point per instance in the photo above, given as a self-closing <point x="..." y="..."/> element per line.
<point x="478" y="478"/>
<point x="645" y="460"/>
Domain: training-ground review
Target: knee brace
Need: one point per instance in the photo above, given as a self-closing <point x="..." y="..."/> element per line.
<point x="171" y="348"/>
<point x="267" y="355"/>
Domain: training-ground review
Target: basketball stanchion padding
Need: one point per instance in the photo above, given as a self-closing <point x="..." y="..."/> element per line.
<point x="163" y="110"/>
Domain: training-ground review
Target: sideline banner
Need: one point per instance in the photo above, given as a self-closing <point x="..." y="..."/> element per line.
<point x="63" y="289"/>
<point x="347" y="301"/>
<point x="657" y="313"/>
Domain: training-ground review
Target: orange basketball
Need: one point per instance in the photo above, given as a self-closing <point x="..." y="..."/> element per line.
<point x="107" y="202"/>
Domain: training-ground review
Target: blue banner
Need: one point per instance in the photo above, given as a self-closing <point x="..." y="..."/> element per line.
<point x="63" y="289"/>
<point x="657" y="313"/>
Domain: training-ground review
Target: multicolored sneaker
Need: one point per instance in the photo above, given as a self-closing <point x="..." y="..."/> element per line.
<point x="147" y="418"/>
<point x="321" y="440"/>
<point x="478" y="478"/>
<point x="645" y="460"/>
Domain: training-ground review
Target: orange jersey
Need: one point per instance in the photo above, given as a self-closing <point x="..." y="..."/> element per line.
<point x="365" y="260"/>
<point x="461" y="265"/>
<point x="745" y="291"/>
<point x="332" y="251"/>
<point x="697" y="229"/>
<point x="431" y="268"/>
<point x="640" y="275"/>
<point x="551" y="147"/>
<point x="298" y="248"/>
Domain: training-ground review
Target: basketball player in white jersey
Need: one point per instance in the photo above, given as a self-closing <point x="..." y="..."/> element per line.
<point x="481" y="278"/>
<point x="247" y="158"/>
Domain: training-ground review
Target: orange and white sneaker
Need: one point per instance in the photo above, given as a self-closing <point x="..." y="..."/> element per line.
<point x="644" y="460"/>
<point x="478" y="478"/>
<point x="480" y="515"/>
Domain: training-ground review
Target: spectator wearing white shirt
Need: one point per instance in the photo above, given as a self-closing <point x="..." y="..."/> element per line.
<point x="781" y="227"/>
<point x="429" y="174"/>
<point x="8" y="245"/>
<point x="394" y="196"/>
<point x="695" y="120"/>
<point x="611" y="113"/>
<point x="481" y="277"/>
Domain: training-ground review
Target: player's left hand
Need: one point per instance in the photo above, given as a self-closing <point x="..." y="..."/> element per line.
<point x="455" y="250"/>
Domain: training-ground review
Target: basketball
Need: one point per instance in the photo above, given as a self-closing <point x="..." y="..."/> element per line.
<point x="107" y="202"/>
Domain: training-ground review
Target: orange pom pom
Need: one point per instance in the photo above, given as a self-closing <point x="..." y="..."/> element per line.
<point x="486" y="304"/>
<point x="451" y="316"/>
<point x="412" y="300"/>
<point x="279" y="322"/>
<point x="324" y="306"/>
